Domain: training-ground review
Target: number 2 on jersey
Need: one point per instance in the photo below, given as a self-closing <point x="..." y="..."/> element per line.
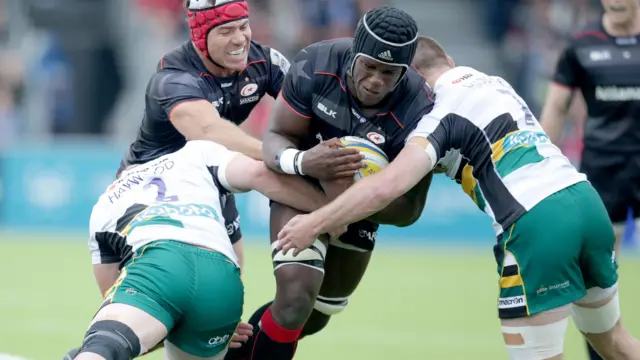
<point x="529" y="119"/>
<point x="162" y="190"/>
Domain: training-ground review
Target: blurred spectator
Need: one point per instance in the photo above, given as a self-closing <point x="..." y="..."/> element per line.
<point x="11" y="85"/>
<point x="330" y="19"/>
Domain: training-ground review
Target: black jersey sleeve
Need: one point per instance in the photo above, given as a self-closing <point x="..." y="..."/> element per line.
<point x="568" y="70"/>
<point x="297" y="89"/>
<point x="170" y="88"/>
<point x="278" y="67"/>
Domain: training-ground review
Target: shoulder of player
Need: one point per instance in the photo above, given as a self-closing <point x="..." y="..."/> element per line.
<point x="590" y="34"/>
<point x="328" y="56"/>
<point x="267" y="55"/>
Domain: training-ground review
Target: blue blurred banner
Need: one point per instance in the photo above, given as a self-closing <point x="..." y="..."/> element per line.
<point x="53" y="187"/>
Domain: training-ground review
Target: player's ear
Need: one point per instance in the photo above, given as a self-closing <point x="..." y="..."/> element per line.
<point x="450" y="61"/>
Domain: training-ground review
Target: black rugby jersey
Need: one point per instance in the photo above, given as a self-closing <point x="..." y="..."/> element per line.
<point x="181" y="76"/>
<point x="607" y="71"/>
<point x="315" y="88"/>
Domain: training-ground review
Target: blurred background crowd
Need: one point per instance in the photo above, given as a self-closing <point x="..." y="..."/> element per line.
<point x="80" y="67"/>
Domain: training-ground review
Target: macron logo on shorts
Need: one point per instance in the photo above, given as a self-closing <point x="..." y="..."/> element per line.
<point x="511" y="302"/>
<point x="386" y="55"/>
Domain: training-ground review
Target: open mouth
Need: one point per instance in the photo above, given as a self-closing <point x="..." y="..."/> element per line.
<point x="370" y="92"/>
<point x="237" y="53"/>
<point x="618" y="8"/>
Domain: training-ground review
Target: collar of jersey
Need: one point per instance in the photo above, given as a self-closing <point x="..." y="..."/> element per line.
<point x="449" y="75"/>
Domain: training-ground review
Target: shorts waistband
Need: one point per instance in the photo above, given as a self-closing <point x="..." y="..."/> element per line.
<point x="191" y="248"/>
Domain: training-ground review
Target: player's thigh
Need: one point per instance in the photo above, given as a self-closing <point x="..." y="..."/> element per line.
<point x="148" y="329"/>
<point x="348" y="259"/>
<point x="213" y="313"/>
<point x="538" y="256"/>
<point x="597" y="259"/>
<point x="157" y="280"/>
<point x="606" y="173"/>
<point x="172" y="352"/>
<point x="305" y="268"/>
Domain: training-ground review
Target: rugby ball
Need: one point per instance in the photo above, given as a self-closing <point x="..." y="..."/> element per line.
<point x="374" y="158"/>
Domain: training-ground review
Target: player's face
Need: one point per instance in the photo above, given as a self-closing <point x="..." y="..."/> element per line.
<point x="229" y="44"/>
<point x="374" y="80"/>
<point x="621" y="11"/>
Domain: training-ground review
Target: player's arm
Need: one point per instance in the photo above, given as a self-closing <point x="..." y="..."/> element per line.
<point x="290" y="122"/>
<point x="195" y="117"/>
<point x="104" y="259"/>
<point x="237" y="173"/>
<point x="560" y="94"/>
<point x="373" y="193"/>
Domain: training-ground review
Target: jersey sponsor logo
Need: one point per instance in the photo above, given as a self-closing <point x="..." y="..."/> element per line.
<point x="375" y="138"/>
<point x="325" y="110"/>
<point x="226" y="85"/>
<point x="524" y="138"/>
<point x="511" y="302"/>
<point x="460" y="79"/>
<point x="218" y="340"/>
<point x="165" y="215"/>
<point x="249" y="100"/>
<point x="369" y="235"/>
<point x="249" y="89"/>
<point x="599" y="55"/>
<point x="615" y="93"/>
<point x="631" y="40"/>
<point x="234" y="226"/>
<point x="386" y="55"/>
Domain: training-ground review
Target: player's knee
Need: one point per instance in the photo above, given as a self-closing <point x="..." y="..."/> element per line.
<point x="312" y="257"/>
<point x="598" y="312"/>
<point x="112" y="340"/>
<point x="293" y="308"/>
<point x="316" y="322"/>
<point x="534" y="342"/>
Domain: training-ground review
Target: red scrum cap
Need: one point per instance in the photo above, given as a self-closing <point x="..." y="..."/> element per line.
<point x="204" y="15"/>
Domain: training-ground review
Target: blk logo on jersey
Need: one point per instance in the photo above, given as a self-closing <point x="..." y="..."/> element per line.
<point x="249" y="89"/>
<point x="325" y="110"/>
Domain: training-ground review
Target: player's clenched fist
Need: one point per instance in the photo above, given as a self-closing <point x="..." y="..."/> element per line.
<point x="329" y="160"/>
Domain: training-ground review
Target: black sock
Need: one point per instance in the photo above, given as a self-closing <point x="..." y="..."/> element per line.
<point x="593" y="355"/>
<point x="244" y="352"/>
<point x="270" y="340"/>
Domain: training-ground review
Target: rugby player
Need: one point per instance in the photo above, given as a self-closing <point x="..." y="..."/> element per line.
<point x="554" y="239"/>
<point x="180" y="276"/>
<point x="203" y="90"/>
<point x="603" y="62"/>
<point x="360" y="87"/>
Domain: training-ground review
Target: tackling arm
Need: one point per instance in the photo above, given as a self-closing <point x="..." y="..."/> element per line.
<point x="406" y="209"/>
<point x="244" y="174"/>
<point x="373" y="193"/>
<point x="199" y="120"/>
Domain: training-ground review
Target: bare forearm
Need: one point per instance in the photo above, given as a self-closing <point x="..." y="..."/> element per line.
<point x="235" y="139"/>
<point x="272" y="145"/>
<point x="291" y="190"/>
<point x="353" y="205"/>
<point x="552" y="122"/>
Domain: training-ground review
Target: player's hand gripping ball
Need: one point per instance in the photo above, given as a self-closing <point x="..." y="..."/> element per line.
<point x="374" y="158"/>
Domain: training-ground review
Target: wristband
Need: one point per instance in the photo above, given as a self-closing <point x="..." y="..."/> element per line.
<point x="290" y="161"/>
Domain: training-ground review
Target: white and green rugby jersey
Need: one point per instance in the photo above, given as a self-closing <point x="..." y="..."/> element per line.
<point x="485" y="137"/>
<point x="175" y="197"/>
